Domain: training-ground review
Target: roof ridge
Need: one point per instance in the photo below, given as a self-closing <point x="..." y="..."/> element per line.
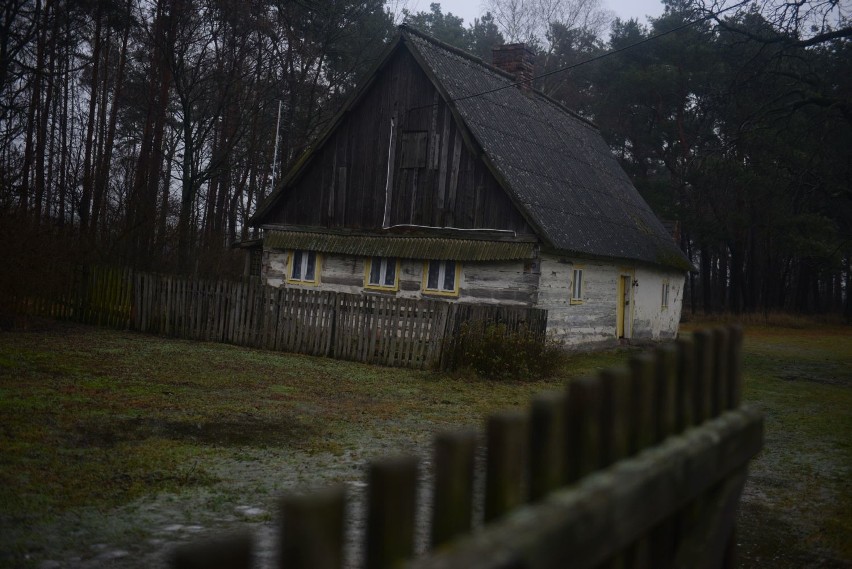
<point x="408" y="28"/>
<point x="405" y="28"/>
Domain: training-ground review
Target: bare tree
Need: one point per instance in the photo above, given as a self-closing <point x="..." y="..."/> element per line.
<point x="530" y="21"/>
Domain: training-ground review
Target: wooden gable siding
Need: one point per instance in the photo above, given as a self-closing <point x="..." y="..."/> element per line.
<point x="345" y="183"/>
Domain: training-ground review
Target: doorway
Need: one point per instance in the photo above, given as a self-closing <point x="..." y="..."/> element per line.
<point x="624" y="307"/>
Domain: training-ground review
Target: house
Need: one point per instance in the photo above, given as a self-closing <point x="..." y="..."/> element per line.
<point x="442" y="177"/>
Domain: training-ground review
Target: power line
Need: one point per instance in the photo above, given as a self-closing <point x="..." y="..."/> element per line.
<point x="607" y="54"/>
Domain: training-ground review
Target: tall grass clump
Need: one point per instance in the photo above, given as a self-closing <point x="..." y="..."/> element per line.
<point x="493" y="351"/>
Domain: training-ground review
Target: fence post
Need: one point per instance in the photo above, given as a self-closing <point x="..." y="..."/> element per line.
<point x="720" y="370"/>
<point x="735" y="366"/>
<point x="453" y="498"/>
<point x="616" y="415"/>
<point x="643" y="402"/>
<point x="666" y="391"/>
<point x="547" y="443"/>
<point x="685" y="393"/>
<point x="391" y="511"/>
<point x="703" y="375"/>
<point x="232" y="552"/>
<point x="507" y="436"/>
<point x="582" y="428"/>
<point x="661" y="540"/>
<point x="312" y="530"/>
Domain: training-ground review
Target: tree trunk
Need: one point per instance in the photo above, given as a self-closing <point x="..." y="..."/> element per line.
<point x="106" y="156"/>
<point x="142" y="206"/>
<point x="44" y="113"/>
<point x="35" y="103"/>
<point x="86" y="198"/>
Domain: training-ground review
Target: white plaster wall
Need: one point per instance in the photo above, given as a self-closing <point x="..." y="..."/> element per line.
<point x="651" y="319"/>
<point x="273" y="268"/>
<point x="592" y="321"/>
<point x="480" y="282"/>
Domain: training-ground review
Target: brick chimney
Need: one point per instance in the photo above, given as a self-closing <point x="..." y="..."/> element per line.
<point x="517" y="59"/>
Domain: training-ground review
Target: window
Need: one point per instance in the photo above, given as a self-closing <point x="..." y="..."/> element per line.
<point x="441" y="277"/>
<point x="303" y="268"/>
<point x="665" y="299"/>
<point x="255" y="262"/>
<point x="382" y="273"/>
<point x="577" y="286"/>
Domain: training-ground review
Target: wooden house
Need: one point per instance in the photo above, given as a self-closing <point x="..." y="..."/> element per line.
<point x="443" y="177"/>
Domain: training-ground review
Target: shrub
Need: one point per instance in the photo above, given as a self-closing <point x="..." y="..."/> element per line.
<point x="495" y="352"/>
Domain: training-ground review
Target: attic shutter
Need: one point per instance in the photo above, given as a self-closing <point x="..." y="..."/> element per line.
<point x="413" y="149"/>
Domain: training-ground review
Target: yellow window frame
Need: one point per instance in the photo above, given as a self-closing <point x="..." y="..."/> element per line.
<point x="574" y="270"/>
<point x="291" y="255"/>
<point x="436" y="292"/>
<point x="368" y="266"/>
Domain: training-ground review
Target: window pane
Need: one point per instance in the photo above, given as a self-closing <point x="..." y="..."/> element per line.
<point x="432" y="280"/>
<point x="390" y="271"/>
<point x="297" y="265"/>
<point x="311" y="265"/>
<point x="376" y="270"/>
<point x="449" y="275"/>
<point x="577" y="285"/>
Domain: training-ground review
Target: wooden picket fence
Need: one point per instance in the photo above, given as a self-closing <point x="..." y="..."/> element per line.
<point x="101" y="296"/>
<point x="361" y="327"/>
<point x="636" y="467"/>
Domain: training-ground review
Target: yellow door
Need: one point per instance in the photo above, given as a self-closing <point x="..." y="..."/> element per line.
<point x="624" y="312"/>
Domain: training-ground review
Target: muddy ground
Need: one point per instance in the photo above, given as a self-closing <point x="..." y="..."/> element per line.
<point x="291" y="433"/>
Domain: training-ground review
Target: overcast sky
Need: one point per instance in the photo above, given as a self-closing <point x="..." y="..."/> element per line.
<point x="470" y="9"/>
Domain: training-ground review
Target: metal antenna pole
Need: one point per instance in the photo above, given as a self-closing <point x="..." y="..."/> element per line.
<point x="275" y="155"/>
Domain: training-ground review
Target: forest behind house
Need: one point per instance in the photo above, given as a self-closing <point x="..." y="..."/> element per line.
<point x="142" y="133"/>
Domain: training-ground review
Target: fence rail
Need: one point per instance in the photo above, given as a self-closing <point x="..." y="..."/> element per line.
<point x="636" y="467"/>
<point x="369" y="328"/>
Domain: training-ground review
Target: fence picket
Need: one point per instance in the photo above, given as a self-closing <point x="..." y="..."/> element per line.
<point x="582" y="428"/>
<point x="234" y="552"/>
<point x="703" y="375"/>
<point x="312" y="530"/>
<point x="643" y="401"/>
<point x="507" y="436"/>
<point x="685" y="394"/>
<point x="391" y="511"/>
<point x="735" y="367"/>
<point x="720" y="380"/>
<point x="547" y="443"/>
<point x="452" y="511"/>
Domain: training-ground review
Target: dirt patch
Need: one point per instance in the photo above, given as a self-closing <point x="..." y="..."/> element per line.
<point x="837" y="381"/>
<point x="250" y="431"/>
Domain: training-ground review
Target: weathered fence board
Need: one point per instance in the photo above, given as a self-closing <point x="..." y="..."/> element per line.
<point x="368" y="328"/>
<point x="614" y="471"/>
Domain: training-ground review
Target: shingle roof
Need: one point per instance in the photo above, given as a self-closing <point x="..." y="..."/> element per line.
<point x="350" y="243"/>
<point x="555" y="165"/>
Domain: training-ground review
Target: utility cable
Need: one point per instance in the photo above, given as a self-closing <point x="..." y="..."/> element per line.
<point x="607" y="54"/>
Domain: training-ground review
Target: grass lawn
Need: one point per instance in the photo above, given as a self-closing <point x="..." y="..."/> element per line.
<point x="797" y="507"/>
<point x="113" y="445"/>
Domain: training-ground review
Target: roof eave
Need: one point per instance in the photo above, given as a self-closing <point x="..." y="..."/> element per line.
<point x="679" y="264"/>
